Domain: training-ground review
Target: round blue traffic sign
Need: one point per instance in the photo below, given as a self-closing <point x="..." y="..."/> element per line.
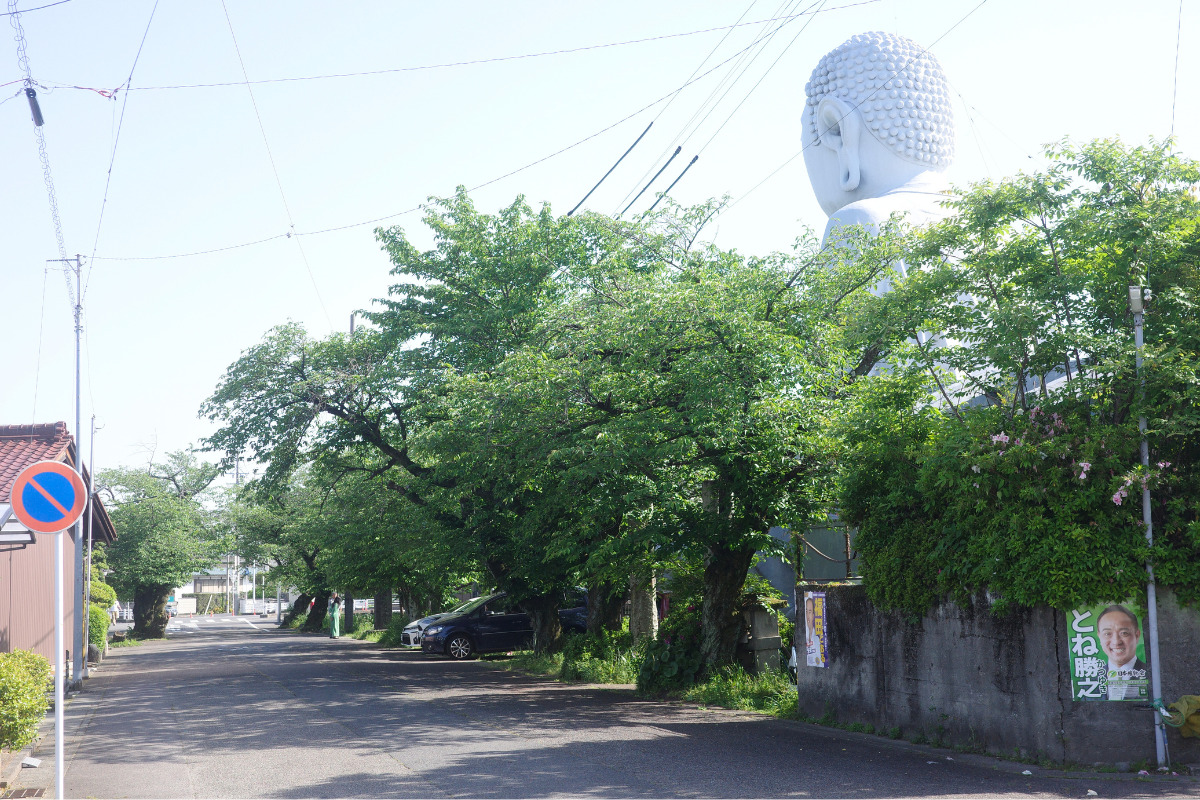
<point x="48" y="497"/>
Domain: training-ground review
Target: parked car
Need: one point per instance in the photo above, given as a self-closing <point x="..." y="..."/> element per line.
<point x="492" y="624"/>
<point x="411" y="635"/>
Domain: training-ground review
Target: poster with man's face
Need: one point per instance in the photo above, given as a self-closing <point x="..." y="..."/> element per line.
<point x="815" y="644"/>
<point x="1107" y="652"/>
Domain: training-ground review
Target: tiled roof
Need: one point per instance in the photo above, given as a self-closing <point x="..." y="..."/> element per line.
<point x="22" y="445"/>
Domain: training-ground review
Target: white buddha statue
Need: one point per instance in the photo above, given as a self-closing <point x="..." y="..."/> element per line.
<point x="878" y="133"/>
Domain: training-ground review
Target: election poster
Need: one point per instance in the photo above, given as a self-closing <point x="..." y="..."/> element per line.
<point x="816" y="644"/>
<point x="1107" y="652"/>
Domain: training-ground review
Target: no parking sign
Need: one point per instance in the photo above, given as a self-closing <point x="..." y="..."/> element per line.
<point x="48" y="497"/>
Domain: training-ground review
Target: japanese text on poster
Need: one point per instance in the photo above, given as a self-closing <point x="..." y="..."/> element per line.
<point x="1107" y="654"/>
<point x="814" y="629"/>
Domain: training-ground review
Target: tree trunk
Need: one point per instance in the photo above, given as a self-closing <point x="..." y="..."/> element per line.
<point x="383" y="609"/>
<point x="725" y="571"/>
<point x="643" y="610"/>
<point x="605" y="606"/>
<point x="348" y="613"/>
<point x="547" y="627"/>
<point x="316" y="617"/>
<point x="299" y="607"/>
<point x="150" y="611"/>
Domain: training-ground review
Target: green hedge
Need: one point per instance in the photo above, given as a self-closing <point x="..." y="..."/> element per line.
<point x="24" y="681"/>
<point x="98" y="622"/>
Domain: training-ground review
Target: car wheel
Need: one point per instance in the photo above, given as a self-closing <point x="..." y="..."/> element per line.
<point x="460" y="647"/>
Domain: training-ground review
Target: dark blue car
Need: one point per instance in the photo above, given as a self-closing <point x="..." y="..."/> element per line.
<point x="492" y="624"/>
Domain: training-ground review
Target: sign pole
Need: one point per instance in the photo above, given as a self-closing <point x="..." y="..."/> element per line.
<point x="49" y="497"/>
<point x="60" y="666"/>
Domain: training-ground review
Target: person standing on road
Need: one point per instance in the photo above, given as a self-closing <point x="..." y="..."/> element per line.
<point x="335" y="605"/>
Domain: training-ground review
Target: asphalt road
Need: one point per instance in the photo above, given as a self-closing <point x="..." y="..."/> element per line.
<point x="232" y="708"/>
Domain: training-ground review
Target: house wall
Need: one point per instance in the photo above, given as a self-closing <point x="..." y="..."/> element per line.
<point x="27" y="597"/>
<point x="967" y="677"/>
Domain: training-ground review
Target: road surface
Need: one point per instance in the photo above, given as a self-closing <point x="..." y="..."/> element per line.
<point x="230" y="707"/>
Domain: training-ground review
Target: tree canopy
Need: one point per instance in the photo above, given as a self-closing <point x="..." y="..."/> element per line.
<point x="164" y="532"/>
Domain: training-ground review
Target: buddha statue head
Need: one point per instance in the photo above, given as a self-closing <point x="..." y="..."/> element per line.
<point x="878" y="129"/>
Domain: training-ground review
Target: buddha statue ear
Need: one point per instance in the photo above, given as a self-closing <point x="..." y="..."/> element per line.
<point x="839" y="128"/>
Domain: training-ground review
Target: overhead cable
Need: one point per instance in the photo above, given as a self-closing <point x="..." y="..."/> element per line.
<point x="14" y="18"/>
<point x="759" y="82"/>
<point x="663" y="110"/>
<point x="13" y="11"/>
<point x="386" y="217"/>
<point x="610" y="169"/>
<point x="467" y="62"/>
<point x="672" y="186"/>
<point x="270" y="157"/>
<point x="117" y="138"/>
<point x="652" y="180"/>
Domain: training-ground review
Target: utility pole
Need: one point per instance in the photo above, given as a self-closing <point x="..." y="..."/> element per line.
<point x="87" y="584"/>
<point x="1138" y="297"/>
<point x="78" y="646"/>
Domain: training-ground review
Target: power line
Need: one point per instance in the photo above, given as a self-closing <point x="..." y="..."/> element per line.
<point x="278" y="182"/>
<point x="117" y="138"/>
<point x="729" y="81"/>
<point x="610" y="169"/>
<point x="747" y="61"/>
<point x="12" y="11"/>
<point x="472" y="62"/>
<point x="663" y="110"/>
<point x="759" y="82"/>
<point x="14" y="19"/>
<point x="386" y="217"/>
<point x="376" y="220"/>
<point x="662" y="169"/>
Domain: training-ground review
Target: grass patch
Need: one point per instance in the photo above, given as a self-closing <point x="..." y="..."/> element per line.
<point x="608" y="658"/>
<point x="391" y="636"/>
<point x="295" y="623"/>
<point x="733" y="687"/>
<point x="129" y="640"/>
<point x="550" y="664"/>
<point x="364" y="629"/>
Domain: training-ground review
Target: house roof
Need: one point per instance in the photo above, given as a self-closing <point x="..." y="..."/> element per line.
<point x="22" y="445"/>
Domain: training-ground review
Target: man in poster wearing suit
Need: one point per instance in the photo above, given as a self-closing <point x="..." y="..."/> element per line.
<point x="1119" y="634"/>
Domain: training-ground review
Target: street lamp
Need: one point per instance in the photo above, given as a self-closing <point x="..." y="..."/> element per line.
<point x="1138" y="297"/>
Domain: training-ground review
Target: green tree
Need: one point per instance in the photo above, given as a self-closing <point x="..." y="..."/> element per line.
<point x="164" y="533"/>
<point x="1021" y="477"/>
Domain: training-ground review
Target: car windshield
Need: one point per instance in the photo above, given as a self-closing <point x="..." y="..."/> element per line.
<point x="461" y="608"/>
<point x="471" y="605"/>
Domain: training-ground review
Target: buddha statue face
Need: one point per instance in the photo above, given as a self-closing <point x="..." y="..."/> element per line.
<point x="877" y="117"/>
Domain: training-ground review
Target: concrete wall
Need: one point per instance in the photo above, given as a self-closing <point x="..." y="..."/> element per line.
<point x="967" y="677"/>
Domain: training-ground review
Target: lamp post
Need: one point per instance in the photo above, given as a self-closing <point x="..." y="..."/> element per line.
<point x="1138" y="297"/>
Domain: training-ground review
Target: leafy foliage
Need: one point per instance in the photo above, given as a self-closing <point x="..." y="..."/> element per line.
<point x="24" y="681"/>
<point x="1022" y="479"/>
<point x="164" y="533"/>
<point x="98" y="622"/>
<point x="675" y="659"/>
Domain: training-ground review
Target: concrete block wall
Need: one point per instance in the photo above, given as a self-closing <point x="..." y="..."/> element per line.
<point x="965" y="676"/>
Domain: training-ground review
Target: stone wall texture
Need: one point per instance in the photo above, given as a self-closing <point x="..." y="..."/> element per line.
<point x="965" y="676"/>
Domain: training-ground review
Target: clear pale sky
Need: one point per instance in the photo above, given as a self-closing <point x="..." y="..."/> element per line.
<point x="192" y="172"/>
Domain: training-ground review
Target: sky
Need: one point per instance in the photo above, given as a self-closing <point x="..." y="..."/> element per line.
<point x="202" y="206"/>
